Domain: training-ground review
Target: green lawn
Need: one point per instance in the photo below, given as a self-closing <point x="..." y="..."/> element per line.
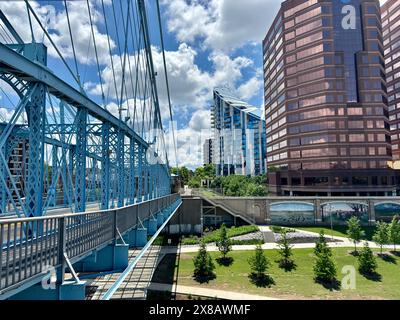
<point x="208" y="194"/>
<point x="298" y="284"/>
<point x="340" y="231"/>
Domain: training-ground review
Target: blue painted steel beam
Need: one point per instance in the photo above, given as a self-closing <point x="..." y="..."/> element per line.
<point x="80" y="178"/>
<point x="121" y="168"/>
<point x="36" y="119"/>
<point x="105" y="167"/>
<point x="13" y="62"/>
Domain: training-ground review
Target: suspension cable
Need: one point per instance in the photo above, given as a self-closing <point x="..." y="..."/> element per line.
<point x="95" y="51"/>
<point x="30" y="21"/>
<point x="109" y="47"/>
<point x="125" y="54"/>
<point x="51" y="40"/>
<point x="72" y="44"/>
<point x="166" y="80"/>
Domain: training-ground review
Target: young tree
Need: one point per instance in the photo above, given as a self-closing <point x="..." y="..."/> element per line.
<point x="223" y="242"/>
<point x="259" y="263"/>
<point x="203" y="264"/>
<point x="367" y="261"/>
<point x="381" y="236"/>
<point x="321" y="246"/>
<point x="394" y="231"/>
<point x="354" y="231"/>
<point x="285" y="251"/>
<point x="325" y="267"/>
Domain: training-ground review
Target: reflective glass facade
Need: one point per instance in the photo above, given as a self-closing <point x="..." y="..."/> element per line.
<point x="325" y="98"/>
<point x="239" y="143"/>
<point x="391" y="39"/>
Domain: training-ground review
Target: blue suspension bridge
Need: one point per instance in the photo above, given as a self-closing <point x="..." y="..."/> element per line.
<point x="79" y="182"/>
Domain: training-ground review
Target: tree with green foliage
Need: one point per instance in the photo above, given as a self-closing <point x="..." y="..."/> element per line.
<point x="354" y="231"/>
<point x="255" y="190"/>
<point x="195" y="183"/>
<point x="394" y="231"/>
<point x="203" y="264"/>
<point x="325" y="267"/>
<point x="367" y="261"/>
<point x="223" y="242"/>
<point x="259" y="263"/>
<point x="285" y="251"/>
<point x="321" y="246"/>
<point x="381" y="236"/>
<point x="184" y="173"/>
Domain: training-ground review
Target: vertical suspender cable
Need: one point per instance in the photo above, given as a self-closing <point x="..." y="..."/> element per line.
<point x="166" y="79"/>
<point x="125" y="54"/>
<point x="51" y="40"/>
<point x="72" y="44"/>
<point x="97" y="56"/>
<point x="109" y="48"/>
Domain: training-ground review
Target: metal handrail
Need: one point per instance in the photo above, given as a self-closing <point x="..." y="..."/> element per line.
<point x="28" y="246"/>
<point x="30" y="219"/>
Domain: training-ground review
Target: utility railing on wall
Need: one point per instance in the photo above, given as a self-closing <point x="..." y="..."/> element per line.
<point x="30" y="246"/>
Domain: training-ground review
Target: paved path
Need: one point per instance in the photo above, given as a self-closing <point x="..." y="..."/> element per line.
<point x="341" y="243"/>
<point x="203" y="292"/>
<point x="136" y="283"/>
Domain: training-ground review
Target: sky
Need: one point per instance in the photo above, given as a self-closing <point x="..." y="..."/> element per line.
<point x="209" y="43"/>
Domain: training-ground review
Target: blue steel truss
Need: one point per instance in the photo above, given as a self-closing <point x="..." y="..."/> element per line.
<point x="83" y="156"/>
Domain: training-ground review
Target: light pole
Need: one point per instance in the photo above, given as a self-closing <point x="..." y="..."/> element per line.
<point x="330" y="209"/>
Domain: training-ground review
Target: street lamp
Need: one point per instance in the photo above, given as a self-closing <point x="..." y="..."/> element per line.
<point x="330" y="209"/>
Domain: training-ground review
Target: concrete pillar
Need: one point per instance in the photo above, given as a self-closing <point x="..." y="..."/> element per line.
<point x="137" y="238"/>
<point x="318" y="213"/>
<point x="267" y="212"/>
<point x="160" y="219"/>
<point x="151" y="226"/>
<point x="112" y="257"/>
<point x="371" y="211"/>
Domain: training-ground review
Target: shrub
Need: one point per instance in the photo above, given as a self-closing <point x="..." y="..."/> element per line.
<point x="325" y="270"/>
<point x="285" y="251"/>
<point x="367" y="261"/>
<point x="223" y="243"/>
<point x="321" y="246"/>
<point x="259" y="265"/>
<point x="203" y="264"/>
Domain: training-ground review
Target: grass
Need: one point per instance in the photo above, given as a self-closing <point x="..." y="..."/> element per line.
<point x="213" y="235"/>
<point x="208" y="194"/>
<point x="299" y="283"/>
<point x="340" y="231"/>
<point x="278" y="229"/>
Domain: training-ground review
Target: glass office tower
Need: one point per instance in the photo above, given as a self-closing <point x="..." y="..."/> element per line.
<point x="391" y="40"/>
<point x="325" y="100"/>
<point x="239" y="136"/>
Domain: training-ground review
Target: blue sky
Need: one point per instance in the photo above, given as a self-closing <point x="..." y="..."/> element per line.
<point x="208" y="43"/>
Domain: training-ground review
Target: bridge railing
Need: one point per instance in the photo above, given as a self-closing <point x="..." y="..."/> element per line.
<point x="30" y="246"/>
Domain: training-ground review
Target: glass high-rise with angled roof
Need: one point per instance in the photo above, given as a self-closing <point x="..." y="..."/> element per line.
<point x="239" y="142"/>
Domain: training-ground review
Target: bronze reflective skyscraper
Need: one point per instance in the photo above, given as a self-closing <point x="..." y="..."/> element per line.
<point x="325" y="100"/>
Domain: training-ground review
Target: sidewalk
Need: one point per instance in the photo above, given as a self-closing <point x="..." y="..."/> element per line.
<point x="203" y="292"/>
